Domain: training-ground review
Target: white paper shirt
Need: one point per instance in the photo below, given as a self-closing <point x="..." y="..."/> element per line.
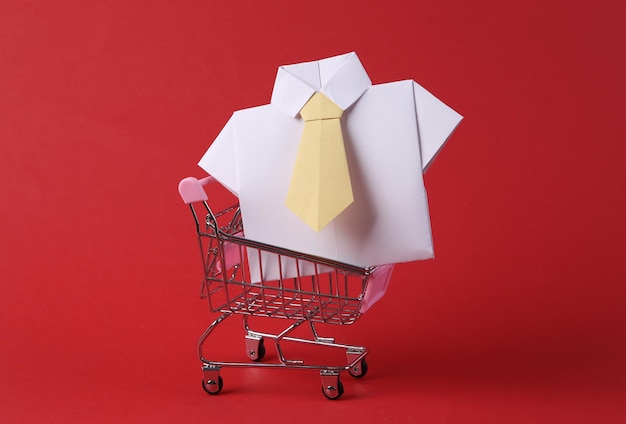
<point x="392" y="132"/>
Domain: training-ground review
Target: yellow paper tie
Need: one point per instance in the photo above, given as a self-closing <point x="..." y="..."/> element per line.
<point x="320" y="187"/>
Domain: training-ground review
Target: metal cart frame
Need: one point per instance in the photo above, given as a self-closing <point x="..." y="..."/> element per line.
<point x="333" y="294"/>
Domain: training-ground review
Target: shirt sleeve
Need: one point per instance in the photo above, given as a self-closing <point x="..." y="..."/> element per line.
<point x="220" y="160"/>
<point x="435" y="123"/>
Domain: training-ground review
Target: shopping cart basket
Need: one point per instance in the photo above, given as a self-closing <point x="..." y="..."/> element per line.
<point x="332" y="293"/>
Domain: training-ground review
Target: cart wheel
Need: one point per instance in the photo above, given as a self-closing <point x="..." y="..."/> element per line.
<point x="256" y="349"/>
<point x="332" y="392"/>
<point x="213" y="387"/>
<point x="260" y="352"/>
<point x="359" y="369"/>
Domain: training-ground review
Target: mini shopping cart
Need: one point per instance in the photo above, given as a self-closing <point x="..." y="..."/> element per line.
<point x="332" y="293"/>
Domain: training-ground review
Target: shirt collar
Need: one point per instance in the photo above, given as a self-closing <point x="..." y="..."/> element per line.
<point x="340" y="78"/>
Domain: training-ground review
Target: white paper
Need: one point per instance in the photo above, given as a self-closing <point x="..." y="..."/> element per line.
<point x="392" y="132"/>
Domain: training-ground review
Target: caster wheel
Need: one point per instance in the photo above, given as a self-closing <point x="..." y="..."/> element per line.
<point x="359" y="369"/>
<point x="213" y="387"/>
<point x="260" y="353"/>
<point x="255" y="349"/>
<point x="332" y="392"/>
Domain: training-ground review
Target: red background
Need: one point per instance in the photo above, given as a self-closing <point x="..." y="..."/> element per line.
<point x="105" y="106"/>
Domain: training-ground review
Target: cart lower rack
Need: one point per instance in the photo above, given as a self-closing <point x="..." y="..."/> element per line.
<point x="325" y="291"/>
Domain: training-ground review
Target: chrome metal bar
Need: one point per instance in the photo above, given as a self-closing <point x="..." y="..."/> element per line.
<point x="279" y="337"/>
<point x="206" y="334"/>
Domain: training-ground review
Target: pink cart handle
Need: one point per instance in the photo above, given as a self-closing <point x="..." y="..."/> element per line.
<point x="192" y="189"/>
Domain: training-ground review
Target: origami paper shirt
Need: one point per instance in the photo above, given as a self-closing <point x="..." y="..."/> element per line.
<point x="392" y="132"/>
